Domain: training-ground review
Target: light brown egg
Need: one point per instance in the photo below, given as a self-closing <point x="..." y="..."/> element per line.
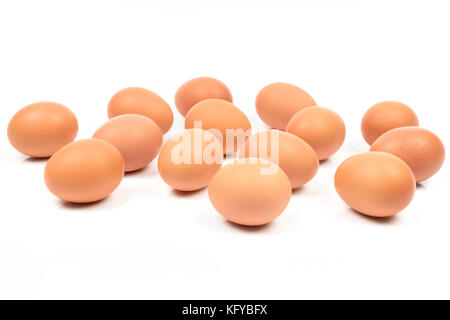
<point x="199" y="89"/>
<point x="322" y="128"/>
<point x="189" y="160"/>
<point x="278" y="102"/>
<point x="40" y="129"/>
<point x="376" y="184"/>
<point x="421" y="149"/>
<point x="293" y="155"/>
<point x="250" y="191"/>
<point x="144" y="102"/>
<point x="222" y="118"/>
<point x="385" y="116"/>
<point x="84" y="171"/>
<point x="137" y="137"/>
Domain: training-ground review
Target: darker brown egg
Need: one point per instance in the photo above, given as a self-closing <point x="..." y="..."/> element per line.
<point x="40" y="129"/>
<point x="84" y="171"/>
<point x="420" y="148"/>
<point x="199" y="89"/>
<point x="377" y="184"/>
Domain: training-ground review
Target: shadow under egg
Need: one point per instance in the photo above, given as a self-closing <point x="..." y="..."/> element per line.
<point x="244" y="228"/>
<point x="380" y="220"/>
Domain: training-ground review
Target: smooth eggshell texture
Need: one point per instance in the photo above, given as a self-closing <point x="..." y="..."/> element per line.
<point x="144" y="102"/>
<point x="385" y="116"/>
<point x="377" y="184"/>
<point x="199" y="89"/>
<point x="220" y="116"/>
<point x="40" y="129"/>
<point x="84" y="171"/>
<point x="293" y="155"/>
<point x="137" y="137"/>
<point x="189" y="160"/>
<point x="322" y="128"/>
<point x="421" y="149"/>
<point x="250" y="191"/>
<point x="278" y="102"/>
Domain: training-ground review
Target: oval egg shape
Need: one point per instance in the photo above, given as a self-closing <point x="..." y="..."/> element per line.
<point x="40" y="129"/>
<point x="421" y="149"/>
<point x="189" y="160"/>
<point x="138" y="138"/>
<point x="230" y="125"/>
<point x="250" y="191"/>
<point x="84" y="171"/>
<point x="376" y="184"/>
<point x="385" y="116"/>
<point x="321" y="128"/>
<point x="199" y="89"/>
<point x="293" y="155"/>
<point x="276" y="103"/>
<point x="141" y="101"/>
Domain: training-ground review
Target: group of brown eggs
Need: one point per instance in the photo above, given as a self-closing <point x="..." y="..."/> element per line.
<point x="252" y="190"/>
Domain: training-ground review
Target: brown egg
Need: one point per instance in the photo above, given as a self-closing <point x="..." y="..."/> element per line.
<point x="144" y="102"/>
<point x="40" y="129"/>
<point x="137" y="137"/>
<point x="323" y="129"/>
<point x="84" y="171"/>
<point x="250" y="191"/>
<point x="293" y="155"/>
<point x="199" y="89"/>
<point x="421" y="149"/>
<point x="190" y="159"/>
<point x="222" y="118"/>
<point x="377" y="184"/>
<point x="278" y="102"/>
<point x="385" y="116"/>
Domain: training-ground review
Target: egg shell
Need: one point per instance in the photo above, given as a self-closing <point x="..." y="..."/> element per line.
<point x="141" y="101"/>
<point x="322" y="128"/>
<point x="40" y="129"/>
<point x="84" y="171"/>
<point x="276" y="103"/>
<point x="199" y="89"/>
<point x="137" y="137"/>
<point x="250" y="191"/>
<point x="377" y="184"/>
<point x="420" y="148"/>
<point x="293" y="155"/>
<point x="189" y="160"/>
<point x="219" y="116"/>
<point x="385" y="116"/>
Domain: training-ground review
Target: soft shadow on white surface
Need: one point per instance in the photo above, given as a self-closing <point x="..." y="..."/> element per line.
<point x="264" y="228"/>
<point x="393" y="220"/>
<point x="117" y="199"/>
<point x="421" y="186"/>
<point x="189" y="194"/>
<point x="35" y="160"/>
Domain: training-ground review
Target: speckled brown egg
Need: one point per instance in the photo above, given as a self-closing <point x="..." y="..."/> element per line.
<point x="377" y="184"/>
<point x="276" y="103"/>
<point x="141" y="101"/>
<point x="40" y="129"/>
<point x="250" y="191"/>
<point x="385" y="116"/>
<point x="230" y="125"/>
<point x="189" y="160"/>
<point x="138" y="138"/>
<point x="199" y="89"/>
<point x="322" y="128"/>
<point x="294" y="156"/>
<point x="84" y="171"/>
<point x="420" y="148"/>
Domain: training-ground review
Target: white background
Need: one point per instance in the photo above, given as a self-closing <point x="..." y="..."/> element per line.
<point x="147" y="241"/>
